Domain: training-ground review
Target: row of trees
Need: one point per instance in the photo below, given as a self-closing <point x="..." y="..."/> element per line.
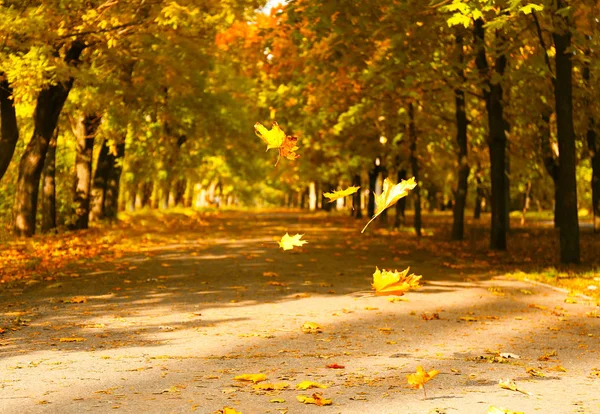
<point x="493" y="95"/>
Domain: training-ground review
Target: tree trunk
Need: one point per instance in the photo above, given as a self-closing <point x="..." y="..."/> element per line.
<point x="493" y="95"/>
<point x="460" y="197"/>
<point x="9" y="132"/>
<point x="526" y="202"/>
<point x="373" y="173"/>
<point x="356" y="197"/>
<point x="563" y="97"/>
<point x="550" y="161"/>
<point x="414" y="165"/>
<point x="593" y="143"/>
<point x="49" y="104"/>
<point x="147" y="188"/>
<point x="479" y="196"/>
<point x="86" y="134"/>
<point x="111" y="199"/>
<point x="99" y="183"/>
<point x="400" y="219"/>
<point x="383" y="217"/>
<point x="49" y="186"/>
<point x="180" y="187"/>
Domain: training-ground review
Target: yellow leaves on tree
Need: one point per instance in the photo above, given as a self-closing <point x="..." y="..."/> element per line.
<point x="420" y="378"/>
<point x="390" y="195"/>
<point x="276" y="138"/>
<point x="387" y="282"/>
<point x="340" y="193"/>
<point x="288" y="242"/>
<point x="251" y="377"/>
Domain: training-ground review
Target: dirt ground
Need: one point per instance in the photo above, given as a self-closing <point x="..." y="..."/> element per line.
<point x="166" y="330"/>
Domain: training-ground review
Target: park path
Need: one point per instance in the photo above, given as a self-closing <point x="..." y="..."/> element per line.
<point x="166" y="330"/>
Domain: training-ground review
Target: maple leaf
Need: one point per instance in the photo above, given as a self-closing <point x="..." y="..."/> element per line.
<point x="317" y="399"/>
<point x="288" y="242"/>
<point x="390" y="195"/>
<point x="304" y="385"/>
<point x="510" y="385"/>
<point x="251" y="377"/>
<point x="277" y="139"/>
<point x="421" y="377"/>
<point x="340" y="193"/>
<point x="267" y="386"/>
<point x="311" y="327"/>
<point x="387" y="282"/>
<point x="335" y="366"/>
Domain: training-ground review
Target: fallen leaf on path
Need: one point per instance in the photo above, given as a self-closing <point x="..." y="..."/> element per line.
<point x="595" y="373"/>
<point x="304" y="385"/>
<point x="508" y="355"/>
<point x="431" y="317"/>
<point x="76" y="299"/>
<point x="526" y="292"/>
<point x="388" y="282"/>
<point x="251" y="377"/>
<point x="288" y="242"/>
<point x="316" y="399"/>
<point x="547" y="356"/>
<point x="558" y="368"/>
<point x="72" y="339"/>
<point x="228" y="410"/>
<point x="267" y="386"/>
<point x="421" y="377"/>
<point x="277" y="400"/>
<point x="467" y="319"/>
<point x="311" y="327"/>
<point x="270" y="274"/>
<point x="534" y="372"/>
<point x="390" y="194"/>
<point x="542" y="307"/>
<point x="593" y="314"/>
<point x="335" y="366"/>
<point x="496" y="410"/>
<point x="340" y="193"/>
<point x="510" y="385"/>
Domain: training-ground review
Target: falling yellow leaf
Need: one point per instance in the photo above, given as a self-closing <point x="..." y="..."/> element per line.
<point x="267" y="386"/>
<point x="390" y="195"/>
<point x="387" y="282"/>
<point x="340" y="193"/>
<point x="304" y="385"/>
<point x="288" y="242"/>
<point x="311" y="327"/>
<point x="72" y="339"/>
<point x="276" y="138"/>
<point x="315" y="399"/>
<point x="496" y="410"/>
<point x="510" y="385"/>
<point x="251" y="377"/>
<point x="421" y="377"/>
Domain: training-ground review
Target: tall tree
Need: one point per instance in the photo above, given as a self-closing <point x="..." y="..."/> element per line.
<point x="9" y="132"/>
<point x="48" y="107"/>
<point x="49" y="186"/>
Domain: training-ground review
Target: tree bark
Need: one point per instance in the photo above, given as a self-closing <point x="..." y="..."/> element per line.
<point x="86" y="134"/>
<point x="9" y="132"/>
<point x="180" y="187"/>
<point x="49" y="104"/>
<point x="373" y="173"/>
<point x="99" y="183"/>
<point x="563" y="98"/>
<point x="493" y="94"/>
<point x="147" y="188"/>
<point x="49" y="186"/>
<point x="383" y="217"/>
<point x="460" y="197"/>
<point x="400" y="219"/>
<point x="414" y="164"/>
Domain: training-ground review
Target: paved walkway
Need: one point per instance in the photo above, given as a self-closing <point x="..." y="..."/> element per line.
<point x="167" y="331"/>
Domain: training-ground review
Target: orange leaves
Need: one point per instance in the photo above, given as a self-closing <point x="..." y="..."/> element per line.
<point x="317" y="399"/>
<point x="276" y="138"/>
<point x="335" y="366"/>
<point x="421" y="377"/>
<point x="387" y="282"/>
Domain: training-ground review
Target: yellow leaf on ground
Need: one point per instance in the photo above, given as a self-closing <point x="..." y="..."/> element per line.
<point x="304" y="385"/>
<point x="76" y="299"/>
<point x="534" y="372"/>
<point x="390" y="195"/>
<point x="228" y="410"/>
<point x="251" y="377"/>
<point x="267" y="386"/>
<point x="421" y="377"/>
<point x="387" y="282"/>
<point x="72" y="339"/>
<point x="316" y="399"/>
<point x="288" y="242"/>
<point x="496" y="410"/>
<point x="340" y="193"/>
<point x="277" y="400"/>
<point x="311" y="327"/>
<point x="510" y="385"/>
<point x="467" y="319"/>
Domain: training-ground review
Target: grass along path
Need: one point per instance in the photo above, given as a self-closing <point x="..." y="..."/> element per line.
<point x="166" y="327"/>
